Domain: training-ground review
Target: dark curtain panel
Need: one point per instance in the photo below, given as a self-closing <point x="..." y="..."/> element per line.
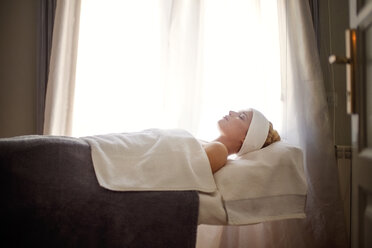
<point x="314" y="8"/>
<point x="46" y="14"/>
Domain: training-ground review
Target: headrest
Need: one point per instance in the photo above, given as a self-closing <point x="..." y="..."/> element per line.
<point x="256" y="134"/>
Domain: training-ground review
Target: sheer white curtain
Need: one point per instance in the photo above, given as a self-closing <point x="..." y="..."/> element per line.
<point x="175" y="64"/>
<point x="306" y="124"/>
<point x="61" y="82"/>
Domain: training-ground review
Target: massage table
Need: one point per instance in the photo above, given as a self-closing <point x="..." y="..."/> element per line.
<point x="51" y="197"/>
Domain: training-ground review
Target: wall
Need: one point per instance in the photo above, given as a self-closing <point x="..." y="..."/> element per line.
<point x="334" y="20"/>
<point x="18" y="48"/>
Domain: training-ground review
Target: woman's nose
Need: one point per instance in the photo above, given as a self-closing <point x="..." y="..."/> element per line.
<point x="232" y="113"/>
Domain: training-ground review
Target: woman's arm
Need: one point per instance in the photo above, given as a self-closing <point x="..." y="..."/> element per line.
<point x="217" y="155"/>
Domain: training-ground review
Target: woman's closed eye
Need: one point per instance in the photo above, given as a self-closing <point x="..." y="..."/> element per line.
<point x="242" y="116"/>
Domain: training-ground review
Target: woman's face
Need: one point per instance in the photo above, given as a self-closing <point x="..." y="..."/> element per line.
<point x="235" y="125"/>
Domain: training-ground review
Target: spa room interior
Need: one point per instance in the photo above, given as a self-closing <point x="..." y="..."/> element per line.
<point x="113" y="114"/>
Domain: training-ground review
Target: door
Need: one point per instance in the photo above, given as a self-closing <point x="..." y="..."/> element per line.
<point x="360" y="107"/>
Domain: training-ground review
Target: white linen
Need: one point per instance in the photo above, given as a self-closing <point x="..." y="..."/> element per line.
<point x="211" y="209"/>
<point x="264" y="185"/>
<point x="153" y="159"/>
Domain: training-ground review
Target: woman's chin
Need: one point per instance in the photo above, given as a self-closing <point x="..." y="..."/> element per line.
<point x="220" y="123"/>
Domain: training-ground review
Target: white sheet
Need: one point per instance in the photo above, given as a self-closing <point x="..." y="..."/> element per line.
<point x="264" y="185"/>
<point x="152" y="160"/>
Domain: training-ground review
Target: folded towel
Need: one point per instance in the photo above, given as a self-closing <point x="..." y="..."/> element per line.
<point x="151" y="160"/>
<point x="264" y="185"/>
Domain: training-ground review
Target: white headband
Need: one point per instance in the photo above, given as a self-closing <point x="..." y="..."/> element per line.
<point x="257" y="133"/>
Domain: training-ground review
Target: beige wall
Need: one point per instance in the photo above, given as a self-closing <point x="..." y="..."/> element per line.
<point x="18" y="36"/>
<point x="334" y="19"/>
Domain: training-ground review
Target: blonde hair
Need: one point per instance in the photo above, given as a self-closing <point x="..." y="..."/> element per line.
<point x="272" y="136"/>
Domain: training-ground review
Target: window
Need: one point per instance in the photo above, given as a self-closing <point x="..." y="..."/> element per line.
<point x="183" y="64"/>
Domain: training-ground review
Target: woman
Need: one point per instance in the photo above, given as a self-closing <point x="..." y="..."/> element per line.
<point x="240" y="132"/>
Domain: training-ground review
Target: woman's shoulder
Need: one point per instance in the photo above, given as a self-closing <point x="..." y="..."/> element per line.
<point x="208" y="143"/>
<point x="216" y="148"/>
<point x="217" y="154"/>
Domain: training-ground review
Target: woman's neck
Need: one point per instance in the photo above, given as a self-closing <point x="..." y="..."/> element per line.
<point x="231" y="145"/>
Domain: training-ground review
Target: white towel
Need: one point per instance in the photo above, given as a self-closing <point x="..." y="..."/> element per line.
<point x="264" y="185"/>
<point x="152" y="160"/>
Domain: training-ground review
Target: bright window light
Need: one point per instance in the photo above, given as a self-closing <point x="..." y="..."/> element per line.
<point x="130" y="68"/>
